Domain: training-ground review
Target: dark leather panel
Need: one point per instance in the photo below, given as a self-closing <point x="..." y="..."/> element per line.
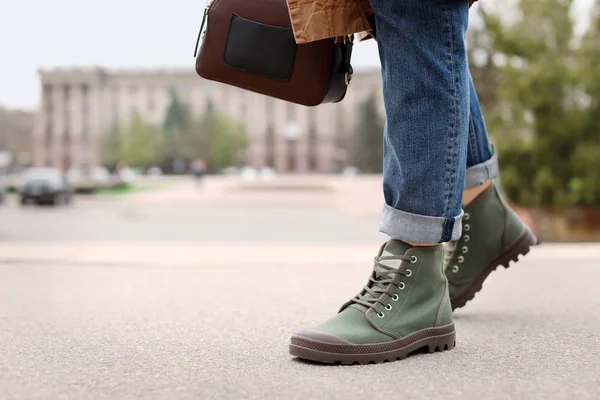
<point x="260" y="49"/>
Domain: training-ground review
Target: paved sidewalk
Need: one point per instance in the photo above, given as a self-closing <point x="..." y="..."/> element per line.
<point x="186" y="321"/>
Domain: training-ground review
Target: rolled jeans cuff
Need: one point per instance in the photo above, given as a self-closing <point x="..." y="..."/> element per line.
<point x="422" y="229"/>
<point x="481" y="173"/>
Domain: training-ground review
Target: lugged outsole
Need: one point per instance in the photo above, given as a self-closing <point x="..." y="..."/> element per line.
<point x="426" y="341"/>
<point x="520" y="247"/>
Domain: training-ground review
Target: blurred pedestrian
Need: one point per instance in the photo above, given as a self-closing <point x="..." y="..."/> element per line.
<point x="437" y="184"/>
<point x="198" y="171"/>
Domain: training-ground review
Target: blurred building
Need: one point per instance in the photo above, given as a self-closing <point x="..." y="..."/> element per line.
<point x="79" y="106"/>
<point x="16" y="135"/>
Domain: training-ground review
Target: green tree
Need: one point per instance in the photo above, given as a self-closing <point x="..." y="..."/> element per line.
<point x="368" y="153"/>
<point x="226" y="139"/>
<point x="109" y="146"/>
<point x="177" y="127"/>
<point x="548" y="151"/>
<point x="140" y="143"/>
<point x="585" y="185"/>
<point x="194" y="143"/>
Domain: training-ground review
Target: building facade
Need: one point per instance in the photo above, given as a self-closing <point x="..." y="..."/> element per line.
<point x="16" y="137"/>
<point x="79" y="106"/>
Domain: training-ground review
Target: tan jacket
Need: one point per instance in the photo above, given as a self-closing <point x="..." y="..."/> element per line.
<point x="319" y="19"/>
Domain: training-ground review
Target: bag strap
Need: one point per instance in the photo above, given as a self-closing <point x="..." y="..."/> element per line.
<point x="346" y="43"/>
<point x="202" y="27"/>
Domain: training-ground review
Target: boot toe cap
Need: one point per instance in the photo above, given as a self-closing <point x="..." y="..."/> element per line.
<point x="314" y="335"/>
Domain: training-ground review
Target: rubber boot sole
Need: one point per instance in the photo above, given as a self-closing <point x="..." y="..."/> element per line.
<point x="431" y="340"/>
<point x="520" y="247"/>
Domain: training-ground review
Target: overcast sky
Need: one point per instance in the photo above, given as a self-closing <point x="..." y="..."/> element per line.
<point x="111" y="33"/>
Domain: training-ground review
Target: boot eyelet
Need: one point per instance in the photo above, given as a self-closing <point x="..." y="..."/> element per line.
<point x="401" y="286"/>
<point x="467" y="227"/>
<point x="414" y="259"/>
<point x="455" y="269"/>
<point x="395" y="297"/>
<point x="465" y="249"/>
<point x="380" y="314"/>
<point x="408" y="273"/>
<point x="467" y="216"/>
<point x="467" y="238"/>
<point x="388" y="307"/>
<point x="461" y="259"/>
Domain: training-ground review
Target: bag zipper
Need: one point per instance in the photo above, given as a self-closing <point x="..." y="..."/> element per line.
<point x="210" y="2"/>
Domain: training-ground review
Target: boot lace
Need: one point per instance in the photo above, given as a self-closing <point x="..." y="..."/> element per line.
<point x="383" y="276"/>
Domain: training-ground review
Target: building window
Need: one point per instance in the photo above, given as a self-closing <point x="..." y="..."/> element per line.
<point x="291" y="112"/>
<point x="312" y="147"/>
<point x="47" y="98"/>
<point x="66" y="162"/>
<point x="292" y="155"/>
<point x="270" y="109"/>
<point x="48" y="137"/>
<point x="67" y="97"/>
<point x="85" y="99"/>
<point x="67" y="113"/>
<point x="150" y="100"/>
<point x="270" y="147"/>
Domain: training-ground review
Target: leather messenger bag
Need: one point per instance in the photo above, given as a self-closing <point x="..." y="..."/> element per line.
<point x="250" y="44"/>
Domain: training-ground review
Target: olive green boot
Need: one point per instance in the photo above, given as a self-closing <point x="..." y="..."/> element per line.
<point x="403" y="308"/>
<point x="492" y="235"/>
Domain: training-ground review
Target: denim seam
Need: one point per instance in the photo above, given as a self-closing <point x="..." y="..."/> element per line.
<point x="473" y="142"/>
<point x="451" y="154"/>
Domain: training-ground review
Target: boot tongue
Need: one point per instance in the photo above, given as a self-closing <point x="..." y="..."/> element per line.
<point x="391" y="248"/>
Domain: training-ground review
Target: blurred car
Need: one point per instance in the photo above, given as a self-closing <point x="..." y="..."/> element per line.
<point x="89" y="180"/>
<point x="154" y="172"/>
<point x="45" y="186"/>
<point x="100" y="176"/>
<point x="249" y="174"/>
<point x="268" y="174"/>
<point x="351" y="172"/>
<point x="126" y="176"/>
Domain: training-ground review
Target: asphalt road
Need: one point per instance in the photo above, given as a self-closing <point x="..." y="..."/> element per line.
<point x="220" y="331"/>
<point x="117" y="220"/>
<point x="179" y="299"/>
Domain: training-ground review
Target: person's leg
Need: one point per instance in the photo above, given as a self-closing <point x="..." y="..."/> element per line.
<point x="426" y="95"/>
<point x="405" y="305"/>
<point x="493" y="234"/>
<point x="482" y="162"/>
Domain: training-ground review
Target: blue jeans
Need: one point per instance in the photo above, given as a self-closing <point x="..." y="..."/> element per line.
<point x="435" y="140"/>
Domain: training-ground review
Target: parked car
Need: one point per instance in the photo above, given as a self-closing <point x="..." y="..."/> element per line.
<point x="154" y="172"/>
<point x="126" y="176"/>
<point x="89" y="180"/>
<point x="45" y="186"/>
